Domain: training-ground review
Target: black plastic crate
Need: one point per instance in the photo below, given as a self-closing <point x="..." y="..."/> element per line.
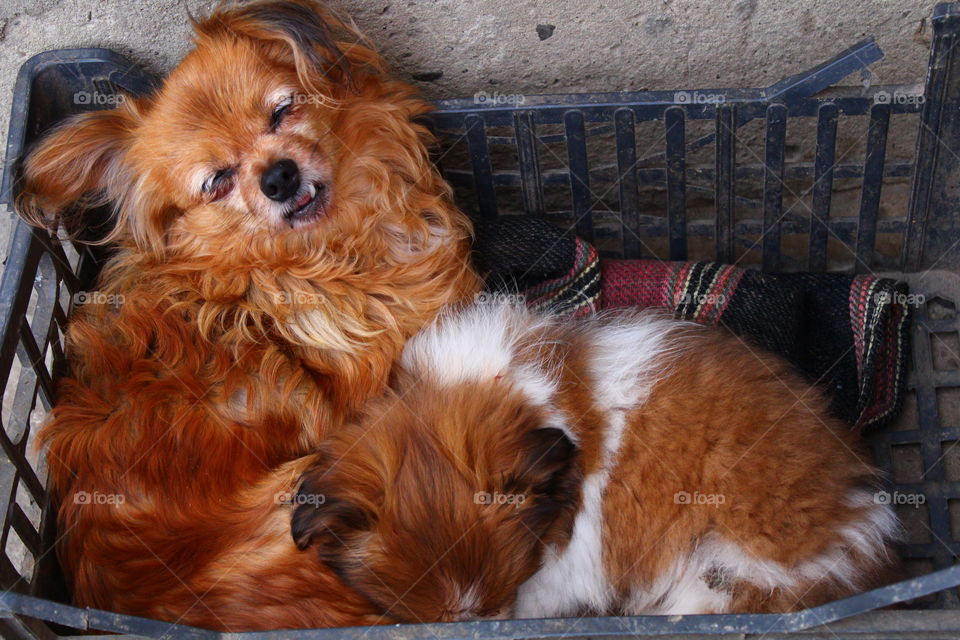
<point x="707" y="174"/>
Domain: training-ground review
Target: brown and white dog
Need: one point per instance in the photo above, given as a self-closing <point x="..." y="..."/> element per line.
<point x="281" y="233"/>
<point x="631" y="464"/>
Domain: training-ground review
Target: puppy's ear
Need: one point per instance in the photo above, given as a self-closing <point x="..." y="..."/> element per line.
<point x="79" y="165"/>
<point x="300" y="30"/>
<point x="322" y="517"/>
<point x="550" y="474"/>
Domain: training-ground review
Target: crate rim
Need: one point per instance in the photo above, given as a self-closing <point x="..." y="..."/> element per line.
<point x="607" y="626"/>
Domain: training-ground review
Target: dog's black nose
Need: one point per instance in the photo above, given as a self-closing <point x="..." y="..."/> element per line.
<point x="281" y="180"/>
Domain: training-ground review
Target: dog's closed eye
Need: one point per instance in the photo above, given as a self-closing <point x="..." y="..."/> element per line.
<point x="219" y="184"/>
<point x="322" y="517"/>
<point x="279" y="111"/>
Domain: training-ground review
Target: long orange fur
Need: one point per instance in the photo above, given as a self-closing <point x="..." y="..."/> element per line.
<point x="401" y="520"/>
<point x="238" y="345"/>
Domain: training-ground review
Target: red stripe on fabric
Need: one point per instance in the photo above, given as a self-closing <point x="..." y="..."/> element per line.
<point x="715" y="293"/>
<point x="859" y="291"/>
<point x="731" y="283"/>
<point x="632" y="283"/>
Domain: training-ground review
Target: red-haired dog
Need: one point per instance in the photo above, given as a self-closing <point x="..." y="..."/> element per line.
<point x="281" y="233"/>
<point x="625" y="465"/>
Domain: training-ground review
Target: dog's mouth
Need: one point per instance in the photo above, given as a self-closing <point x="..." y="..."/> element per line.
<point x="309" y="206"/>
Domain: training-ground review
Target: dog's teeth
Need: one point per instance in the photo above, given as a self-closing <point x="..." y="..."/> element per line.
<point x="312" y="190"/>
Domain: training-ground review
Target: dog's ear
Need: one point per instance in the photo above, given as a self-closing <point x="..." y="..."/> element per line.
<point x="549" y="474"/>
<point x="79" y="165"/>
<point x="323" y="517"/>
<point x="299" y="30"/>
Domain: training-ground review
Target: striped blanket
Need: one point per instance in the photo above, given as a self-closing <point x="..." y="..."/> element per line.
<point x="847" y="333"/>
